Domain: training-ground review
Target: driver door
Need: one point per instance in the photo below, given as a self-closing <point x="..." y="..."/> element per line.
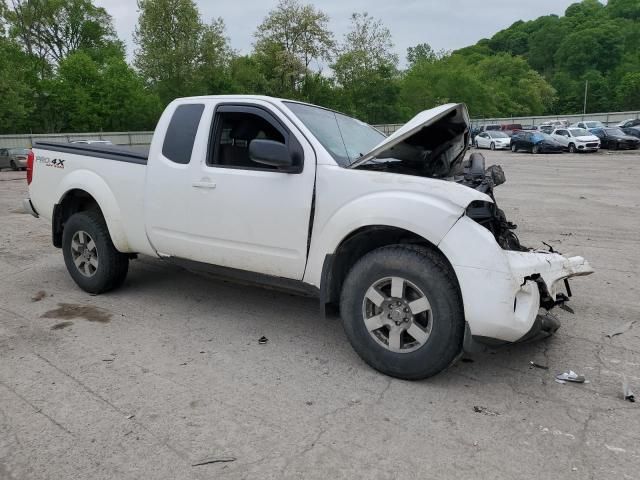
<point x="225" y="209"/>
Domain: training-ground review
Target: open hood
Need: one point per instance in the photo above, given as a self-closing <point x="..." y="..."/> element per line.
<point x="436" y="138"/>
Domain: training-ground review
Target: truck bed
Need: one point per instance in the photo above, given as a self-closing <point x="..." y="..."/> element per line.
<point x="109" y="152"/>
<point x="112" y="175"/>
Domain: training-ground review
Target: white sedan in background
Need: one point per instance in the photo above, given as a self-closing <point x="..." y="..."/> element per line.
<point x="493" y="140"/>
<point x="576" y="139"/>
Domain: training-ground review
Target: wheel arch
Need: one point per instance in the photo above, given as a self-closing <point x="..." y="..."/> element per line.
<point x="358" y="243"/>
<point x="86" y="191"/>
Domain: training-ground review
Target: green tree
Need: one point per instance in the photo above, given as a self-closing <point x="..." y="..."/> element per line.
<point x="423" y="53"/>
<point x="214" y="70"/>
<point x="628" y="92"/>
<point x="16" y="87"/>
<point x="497" y="85"/>
<point x="599" y="47"/>
<point x="53" y="29"/>
<point x="247" y="76"/>
<point x="366" y="71"/>
<point x="288" y="41"/>
<point x="86" y="95"/>
<point x="629" y="9"/>
<point x="168" y="36"/>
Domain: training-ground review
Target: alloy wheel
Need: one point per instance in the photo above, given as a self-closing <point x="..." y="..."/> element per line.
<point x="397" y="314"/>
<point x="84" y="253"/>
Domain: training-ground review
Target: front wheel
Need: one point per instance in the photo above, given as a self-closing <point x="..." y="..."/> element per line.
<point x="535" y="149"/>
<point x="402" y="312"/>
<point x="572" y="148"/>
<point x="91" y="259"/>
<point x="492" y="146"/>
<point x="514" y="149"/>
<point x="13" y="166"/>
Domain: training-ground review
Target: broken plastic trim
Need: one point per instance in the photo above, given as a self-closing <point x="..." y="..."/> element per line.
<point x="493" y="219"/>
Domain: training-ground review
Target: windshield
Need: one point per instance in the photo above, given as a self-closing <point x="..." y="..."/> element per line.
<point x="19" y="151"/>
<point x="345" y="138"/>
<point x="614" y="131"/>
<point x="579" y="132"/>
<point x="498" y="135"/>
<point x="593" y="124"/>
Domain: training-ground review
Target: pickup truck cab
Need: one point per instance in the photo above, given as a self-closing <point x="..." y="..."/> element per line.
<point x="402" y="234"/>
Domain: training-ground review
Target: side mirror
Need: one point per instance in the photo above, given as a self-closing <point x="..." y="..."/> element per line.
<point x="274" y="154"/>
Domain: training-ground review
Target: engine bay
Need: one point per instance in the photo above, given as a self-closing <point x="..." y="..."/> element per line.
<point x="479" y="177"/>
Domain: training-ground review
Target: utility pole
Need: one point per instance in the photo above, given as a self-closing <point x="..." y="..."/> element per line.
<point x="586" y="88"/>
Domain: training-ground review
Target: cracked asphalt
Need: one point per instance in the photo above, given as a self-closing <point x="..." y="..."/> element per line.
<point x="167" y="372"/>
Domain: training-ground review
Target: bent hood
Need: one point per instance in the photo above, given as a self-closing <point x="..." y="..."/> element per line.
<point x="435" y="137"/>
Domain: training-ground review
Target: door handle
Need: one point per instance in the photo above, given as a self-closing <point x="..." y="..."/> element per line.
<point x="209" y="185"/>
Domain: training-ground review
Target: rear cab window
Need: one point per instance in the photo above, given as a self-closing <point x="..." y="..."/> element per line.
<point x="181" y="132"/>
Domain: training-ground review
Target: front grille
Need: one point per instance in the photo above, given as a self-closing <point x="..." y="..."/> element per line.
<point x="592" y="145"/>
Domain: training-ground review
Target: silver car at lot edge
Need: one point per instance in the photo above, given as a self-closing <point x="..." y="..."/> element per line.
<point x="14" y="158"/>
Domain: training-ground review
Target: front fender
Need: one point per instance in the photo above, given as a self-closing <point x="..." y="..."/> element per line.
<point x="429" y="217"/>
<point x="95" y="186"/>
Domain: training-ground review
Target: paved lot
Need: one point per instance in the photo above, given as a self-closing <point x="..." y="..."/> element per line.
<point x="166" y="372"/>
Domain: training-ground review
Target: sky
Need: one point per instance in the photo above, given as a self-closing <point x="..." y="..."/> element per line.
<point x="444" y="24"/>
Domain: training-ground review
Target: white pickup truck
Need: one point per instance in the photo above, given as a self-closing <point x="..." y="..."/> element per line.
<point x="401" y="233"/>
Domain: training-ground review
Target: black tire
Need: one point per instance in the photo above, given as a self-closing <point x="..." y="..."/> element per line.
<point x="492" y="146"/>
<point x="13" y="166"/>
<point x="514" y="148"/>
<point x="535" y="150"/>
<point x="616" y="146"/>
<point x="112" y="265"/>
<point x="572" y="148"/>
<point x="428" y="271"/>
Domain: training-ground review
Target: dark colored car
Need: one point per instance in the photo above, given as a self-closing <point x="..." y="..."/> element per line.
<point x="635" y="122"/>
<point x="615" y="139"/>
<point x="535" y="142"/>
<point x="633" y="131"/>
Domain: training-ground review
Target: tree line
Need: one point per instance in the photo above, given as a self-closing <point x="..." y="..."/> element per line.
<point x="64" y="69"/>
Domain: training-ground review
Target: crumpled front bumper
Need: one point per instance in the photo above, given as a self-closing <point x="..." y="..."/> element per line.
<point x="502" y="290"/>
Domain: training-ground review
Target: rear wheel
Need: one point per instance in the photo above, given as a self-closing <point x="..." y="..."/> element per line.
<point x="535" y="149"/>
<point x="91" y="259"/>
<point x="13" y="166"/>
<point x="402" y="312"/>
<point x="514" y="148"/>
<point x="572" y="148"/>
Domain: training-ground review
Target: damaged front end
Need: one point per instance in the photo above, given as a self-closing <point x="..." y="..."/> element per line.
<point x="508" y="290"/>
<point x="487" y="214"/>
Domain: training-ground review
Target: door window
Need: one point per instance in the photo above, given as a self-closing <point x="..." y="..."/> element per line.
<point x="234" y="129"/>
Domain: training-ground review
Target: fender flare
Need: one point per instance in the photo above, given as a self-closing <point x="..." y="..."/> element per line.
<point x="430" y="218"/>
<point x="94" y="185"/>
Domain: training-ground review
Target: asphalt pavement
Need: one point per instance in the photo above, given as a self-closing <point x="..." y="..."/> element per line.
<point x="168" y="371"/>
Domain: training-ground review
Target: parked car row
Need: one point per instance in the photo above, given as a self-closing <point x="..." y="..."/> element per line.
<point x="557" y="136"/>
